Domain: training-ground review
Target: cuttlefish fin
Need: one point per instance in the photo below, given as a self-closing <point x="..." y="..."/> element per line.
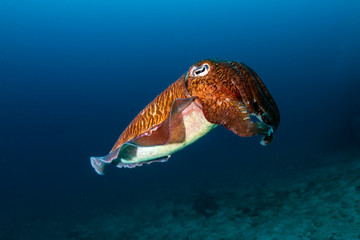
<point x="234" y="116"/>
<point x="99" y="163"/>
<point x="171" y="130"/>
<point x="138" y="164"/>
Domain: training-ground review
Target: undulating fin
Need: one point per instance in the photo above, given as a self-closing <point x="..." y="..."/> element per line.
<point x="155" y="113"/>
<point x="138" y="164"/>
<point x="170" y="131"/>
<point x="99" y="163"/>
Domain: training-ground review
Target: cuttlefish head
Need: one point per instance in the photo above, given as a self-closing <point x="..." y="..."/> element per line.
<point x="232" y="94"/>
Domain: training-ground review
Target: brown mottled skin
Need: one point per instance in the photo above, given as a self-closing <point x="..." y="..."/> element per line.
<point x="229" y="93"/>
<point x="154" y="113"/>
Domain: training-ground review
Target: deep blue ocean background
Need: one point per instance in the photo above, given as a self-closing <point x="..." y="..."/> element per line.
<point x="73" y="74"/>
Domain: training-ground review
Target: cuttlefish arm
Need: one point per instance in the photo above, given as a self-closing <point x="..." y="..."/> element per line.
<point x="235" y="97"/>
<point x="211" y="93"/>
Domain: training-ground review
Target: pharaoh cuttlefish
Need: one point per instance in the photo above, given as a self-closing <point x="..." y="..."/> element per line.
<point x="211" y="93"/>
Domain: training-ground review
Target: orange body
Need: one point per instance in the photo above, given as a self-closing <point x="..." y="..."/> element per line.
<point x="211" y="93"/>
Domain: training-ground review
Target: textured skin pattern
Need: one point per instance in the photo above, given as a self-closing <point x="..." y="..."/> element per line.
<point x="229" y="94"/>
<point x="155" y="113"/>
<point x="212" y="92"/>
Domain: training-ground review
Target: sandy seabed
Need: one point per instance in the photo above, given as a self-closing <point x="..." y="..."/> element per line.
<point x="319" y="202"/>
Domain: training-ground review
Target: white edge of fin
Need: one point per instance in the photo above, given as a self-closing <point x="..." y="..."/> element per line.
<point x="98" y="164"/>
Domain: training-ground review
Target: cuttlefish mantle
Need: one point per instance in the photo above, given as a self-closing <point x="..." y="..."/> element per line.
<point x="211" y="93"/>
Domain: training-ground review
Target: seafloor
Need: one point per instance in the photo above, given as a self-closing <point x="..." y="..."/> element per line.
<point x="320" y="201"/>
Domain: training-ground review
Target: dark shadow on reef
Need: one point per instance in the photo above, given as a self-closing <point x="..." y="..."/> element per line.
<point x="205" y="205"/>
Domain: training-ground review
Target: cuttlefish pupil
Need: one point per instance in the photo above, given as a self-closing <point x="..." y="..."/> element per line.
<point x="200" y="71"/>
<point x="212" y="93"/>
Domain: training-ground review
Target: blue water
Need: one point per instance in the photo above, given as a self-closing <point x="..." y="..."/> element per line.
<point x="73" y="74"/>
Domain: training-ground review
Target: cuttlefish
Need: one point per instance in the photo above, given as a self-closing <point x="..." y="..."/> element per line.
<point x="211" y="93"/>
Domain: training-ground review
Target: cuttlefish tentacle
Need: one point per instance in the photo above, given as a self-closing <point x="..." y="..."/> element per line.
<point x="266" y="103"/>
<point x="233" y="116"/>
<point x="211" y="93"/>
<point x="259" y="103"/>
<point x="231" y="98"/>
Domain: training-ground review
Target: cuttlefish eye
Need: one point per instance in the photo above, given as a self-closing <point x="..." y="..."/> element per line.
<point x="200" y="71"/>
